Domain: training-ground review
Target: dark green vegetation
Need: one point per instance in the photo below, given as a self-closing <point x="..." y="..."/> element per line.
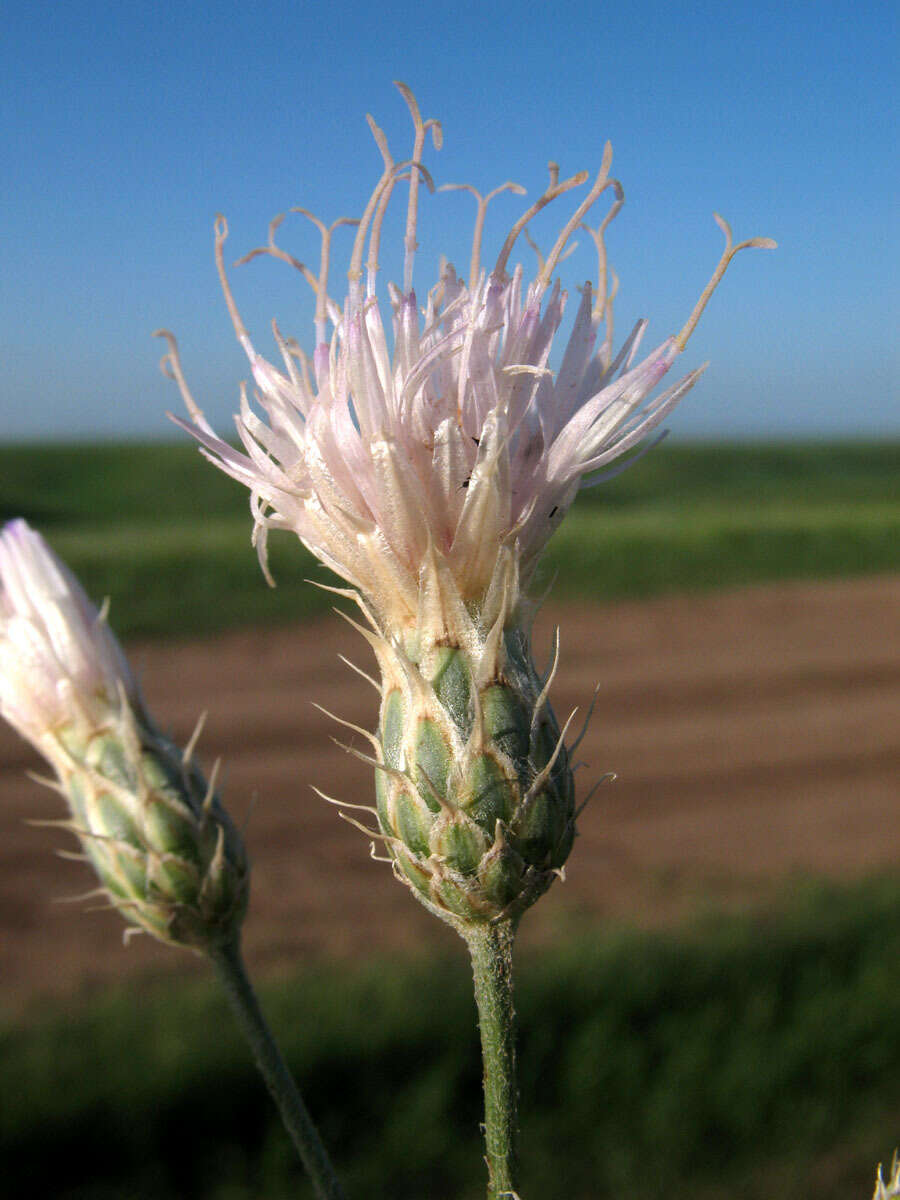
<point x="744" y="1059"/>
<point x="166" y="536"/>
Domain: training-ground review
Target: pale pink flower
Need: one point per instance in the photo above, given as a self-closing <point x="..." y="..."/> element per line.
<point x="59" y="661"/>
<point x="448" y="448"/>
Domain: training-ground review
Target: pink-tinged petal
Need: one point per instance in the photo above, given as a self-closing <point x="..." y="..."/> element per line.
<point x="651" y="419"/>
<point x="485" y="518"/>
<point x="452" y="462"/>
<point x="575" y="361"/>
<point x="598" y="375"/>
<point x="599" y="417"/>
<point x="407" y="344"/>
<point x="366" y="389"/>
<point x="405" y="508"/>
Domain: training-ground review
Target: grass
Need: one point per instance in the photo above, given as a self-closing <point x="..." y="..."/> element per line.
<point x="145" y="524"/>
<point x="744" y="1057"/>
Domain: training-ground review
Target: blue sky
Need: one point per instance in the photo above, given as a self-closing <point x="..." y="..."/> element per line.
<point x="124" y="128"/>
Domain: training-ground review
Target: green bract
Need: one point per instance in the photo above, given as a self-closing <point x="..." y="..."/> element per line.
<point x="166" y="852"/>
<point x="475" y="795"/>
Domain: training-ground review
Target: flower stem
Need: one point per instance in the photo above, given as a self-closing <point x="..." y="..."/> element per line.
<point x="274" y="1071"/>
<point x="491" y="949"/>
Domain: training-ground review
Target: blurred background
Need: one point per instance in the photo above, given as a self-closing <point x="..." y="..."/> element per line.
<point x="709" y="1004"/>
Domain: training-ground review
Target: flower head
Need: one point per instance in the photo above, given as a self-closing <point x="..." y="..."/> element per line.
<point x="166" y="853"/>
<point x="444" y="454"/>
<point x="427" y="461"/>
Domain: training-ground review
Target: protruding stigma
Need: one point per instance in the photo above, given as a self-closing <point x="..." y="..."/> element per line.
<point x="324" y="262"/>
<point x="170" y="365"/>
<point x="482" y="202"/>
<point x="437" y="137"/>
<point x="600" y="184"/>
<point x="759" y="243"/>
<point x="555" y="189"/>
<point x="221" y="228"/>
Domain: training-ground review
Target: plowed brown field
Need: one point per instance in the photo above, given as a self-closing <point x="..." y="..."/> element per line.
<point x="755" y="734"/>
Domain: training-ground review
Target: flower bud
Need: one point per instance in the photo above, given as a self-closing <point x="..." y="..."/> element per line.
<point x="167" y="855"/>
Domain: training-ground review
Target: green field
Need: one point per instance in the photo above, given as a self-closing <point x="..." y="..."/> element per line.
<point x="741" y="1059"/>
<point x="753" y="1058"/>
<point x="166" y="537"/>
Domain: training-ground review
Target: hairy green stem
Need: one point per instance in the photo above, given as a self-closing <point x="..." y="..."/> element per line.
<point x="275" y="1072"/>
<point x="491" y="949"/>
